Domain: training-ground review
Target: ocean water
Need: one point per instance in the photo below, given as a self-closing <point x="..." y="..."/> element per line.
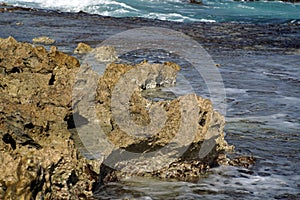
<point x="178" y="10"/>
<point x="262" y="119"/>
<point x="262" y="92"/>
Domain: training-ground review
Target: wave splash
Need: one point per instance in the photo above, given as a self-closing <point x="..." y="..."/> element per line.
<point x="177" y="10"/>
<point x="70" y="5"/>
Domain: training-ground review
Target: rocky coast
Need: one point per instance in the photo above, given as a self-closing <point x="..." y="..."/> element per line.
<point x="39" y="157"/>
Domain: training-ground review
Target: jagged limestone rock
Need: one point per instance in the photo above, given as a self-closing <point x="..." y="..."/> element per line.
<point x="38" y="158"/>
<point x="173" y="139"/>
<point x="149" y="138"/>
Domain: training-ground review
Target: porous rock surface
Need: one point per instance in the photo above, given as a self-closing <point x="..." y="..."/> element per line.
<point x="172" y="139"/>
<point x="43" y="40"/>
<point x="38" y="159"/>
<point x="162" y="145"/>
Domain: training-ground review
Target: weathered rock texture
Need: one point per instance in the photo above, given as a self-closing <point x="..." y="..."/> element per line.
<point x="172" y="139"/>
<point x="180" y="144"/>
<point x="38" y="160"/>
<point x="43" y="40"/>
<point x="82" y="48"/>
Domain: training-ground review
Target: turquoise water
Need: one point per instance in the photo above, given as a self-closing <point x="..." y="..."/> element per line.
<point x="179" y="10"/>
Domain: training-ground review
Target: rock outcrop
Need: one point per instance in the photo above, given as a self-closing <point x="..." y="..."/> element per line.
<point x="38" y="158"/>
<point x="47" y="100"/>
<point x="178" y="139"/>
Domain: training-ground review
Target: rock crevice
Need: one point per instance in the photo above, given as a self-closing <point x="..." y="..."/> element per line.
<point x="47" y="98"/>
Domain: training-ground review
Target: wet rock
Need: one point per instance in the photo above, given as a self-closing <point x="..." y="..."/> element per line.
<point x="105" y="54"/>
<point x="19" y="23"/>
<point x="82" y="48"/>
<point x="7" y="8"/>
<point x="43" y="40"/>
<point x="38" y="158"/>
<point x="154" y="138"/>
<point x="292" y="1"/>
<point x="101" y="54"/>
<point x="175" y="139"/>
<point x="196" y="2"/>
<point x="242" y="161"/>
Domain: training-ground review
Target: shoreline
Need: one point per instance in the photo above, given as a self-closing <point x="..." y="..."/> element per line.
<point x="68" y="29"/>
<point x="39" y="121"/>
<point x="294" y="20"/>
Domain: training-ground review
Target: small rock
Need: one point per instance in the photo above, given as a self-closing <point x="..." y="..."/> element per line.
<point x="196" y="2"/>
<point x="43" y="40"/>
<point x="82" y="48"/>
<point x="19" y="23"/>
<point x="105" y="54"/>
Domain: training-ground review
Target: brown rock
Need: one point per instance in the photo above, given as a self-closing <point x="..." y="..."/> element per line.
<point x="43" y="40"/>
<point x="172" y="139"/>
<point x="105" y="54"/>
<point x="38" y="158"/>
<point x="82" y="48"/>
<point x="150" y="137"/>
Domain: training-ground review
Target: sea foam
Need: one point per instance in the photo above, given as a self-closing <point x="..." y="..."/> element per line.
<point x="176" y="10"/>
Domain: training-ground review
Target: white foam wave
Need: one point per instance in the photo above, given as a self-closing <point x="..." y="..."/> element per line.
<point x="245" y="7"/>
<point x="72" y="5"/>
<point x="106" y="8"/>
<point x="119" y="4"/>
<point x="116" y="13"/>
<point x="115" y="8"/>
<point x="173" y="17"/>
